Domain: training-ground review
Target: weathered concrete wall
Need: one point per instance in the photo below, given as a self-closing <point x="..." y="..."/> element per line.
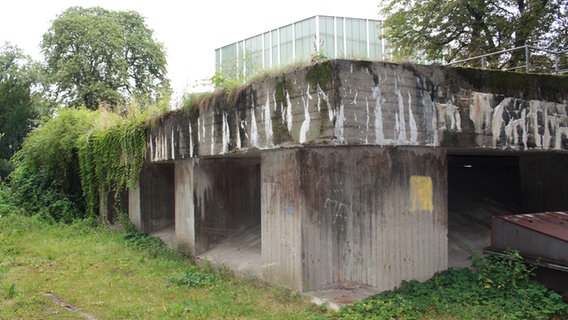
<point x="373" y="103"/>
<point x="368" y="215"/>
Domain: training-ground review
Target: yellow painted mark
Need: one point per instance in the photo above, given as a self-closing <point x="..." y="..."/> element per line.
<point x="421" y="193"/>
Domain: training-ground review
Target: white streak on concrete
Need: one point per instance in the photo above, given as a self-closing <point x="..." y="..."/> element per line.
<point x="547" y="136"/>
<point x="274" y="100"/>
<point x="173" y="146"/>
<point x="448" y="111"/>
<point x="401" y="122"/>
<point x="163" y="143"/>
<point x="534" y="107"/>
<point x="430" y="110"/>
<point x="525" y="129"/>
<point x="268" y="121"/>
<point x="212" y="134"/>
<point x="339" y="124"/>
<point x="190" y="141"/>
<point x="378" y="110"/>
<point x="288" y="112"/>
<point x="354" y="102"/>
<point x="253" y="128"/>
<point x="368" y="120"/>
<point x="181" y="139"/>
<point x="326" y="99"/>
<point x="306" y="123"/>
<point x="412" y="122"/>
<point x="226" y="134"/>
<point x="238" y="135"/>
<point x="152" y="155"/>
<point x="198" y="131"/>
<point x="497" y="120"/>
<point x="480" y="111"/>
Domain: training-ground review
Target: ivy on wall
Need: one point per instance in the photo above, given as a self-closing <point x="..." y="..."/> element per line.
<point x="110" y="160"/>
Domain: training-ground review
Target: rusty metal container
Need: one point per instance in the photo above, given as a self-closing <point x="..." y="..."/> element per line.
<point x="542" y="240"/>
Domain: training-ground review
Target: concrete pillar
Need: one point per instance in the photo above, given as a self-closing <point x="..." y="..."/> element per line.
<point x="184" y="207"/>
<point x="134" y="211"/>
<point x="281" y="217"/>
<point x="364" y="214"/>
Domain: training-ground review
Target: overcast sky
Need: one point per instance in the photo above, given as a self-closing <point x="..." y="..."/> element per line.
<point x="189" y="30"/>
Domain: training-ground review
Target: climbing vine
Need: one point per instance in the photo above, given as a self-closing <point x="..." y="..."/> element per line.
<point x="110" y="160"/>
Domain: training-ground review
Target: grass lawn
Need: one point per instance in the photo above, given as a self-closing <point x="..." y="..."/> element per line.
<point x="97" y="271"/>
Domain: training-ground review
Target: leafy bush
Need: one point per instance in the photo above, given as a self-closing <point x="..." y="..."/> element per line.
<point x="498" y="287"/>
<point x="70" y="159"/>
<point x="46" y="177"/>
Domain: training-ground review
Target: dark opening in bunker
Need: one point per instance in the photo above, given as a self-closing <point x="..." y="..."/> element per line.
<point x="228" y="223"/>
<point x="157" y="200"/>
<point x="481" y="186"/>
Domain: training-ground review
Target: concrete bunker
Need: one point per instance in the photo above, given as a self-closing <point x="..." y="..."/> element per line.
<point x="359" y="178"/>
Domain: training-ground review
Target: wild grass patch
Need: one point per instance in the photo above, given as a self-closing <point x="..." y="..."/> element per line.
<point x="496" y="288"/>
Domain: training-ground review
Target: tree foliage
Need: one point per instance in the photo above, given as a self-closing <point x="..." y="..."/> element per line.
<point x="19" y="105"/>
<point x="96" y="56"/>
<point x="445" y="31"/>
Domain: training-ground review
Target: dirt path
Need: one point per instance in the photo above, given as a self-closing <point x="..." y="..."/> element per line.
<point x="58" y="300"/>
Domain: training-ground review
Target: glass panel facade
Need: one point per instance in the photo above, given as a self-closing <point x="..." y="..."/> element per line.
<point x="266" y="63"/>
<point x="252" y="56"/>
<point x="356" y="38"/>
<point x="275" y="48"/>
<point x="375" y="45"/>
<point x="340" y="31"/>
<point x="286" y="44"/>
<point x="305" y="36"/>
<point x="229" y="63"/>
<point x="339" y="38"/>
<point x="327" y="36"/>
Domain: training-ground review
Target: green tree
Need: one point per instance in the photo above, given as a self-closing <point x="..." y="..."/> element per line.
<point x="96" y="56"/>
<point x="19" y="105"/>
<point x="445" y="31"/>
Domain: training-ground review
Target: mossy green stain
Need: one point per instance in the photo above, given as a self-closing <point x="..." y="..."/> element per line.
<point x="320" y="74"/>
<point x="521" y="85"/>
<point x="281" y="134"/>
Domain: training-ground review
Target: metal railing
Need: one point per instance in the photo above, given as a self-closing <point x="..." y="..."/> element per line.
<point x="527" y="67"/>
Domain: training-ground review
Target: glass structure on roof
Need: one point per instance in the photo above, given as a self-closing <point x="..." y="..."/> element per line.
<point x="324" y="36"/>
